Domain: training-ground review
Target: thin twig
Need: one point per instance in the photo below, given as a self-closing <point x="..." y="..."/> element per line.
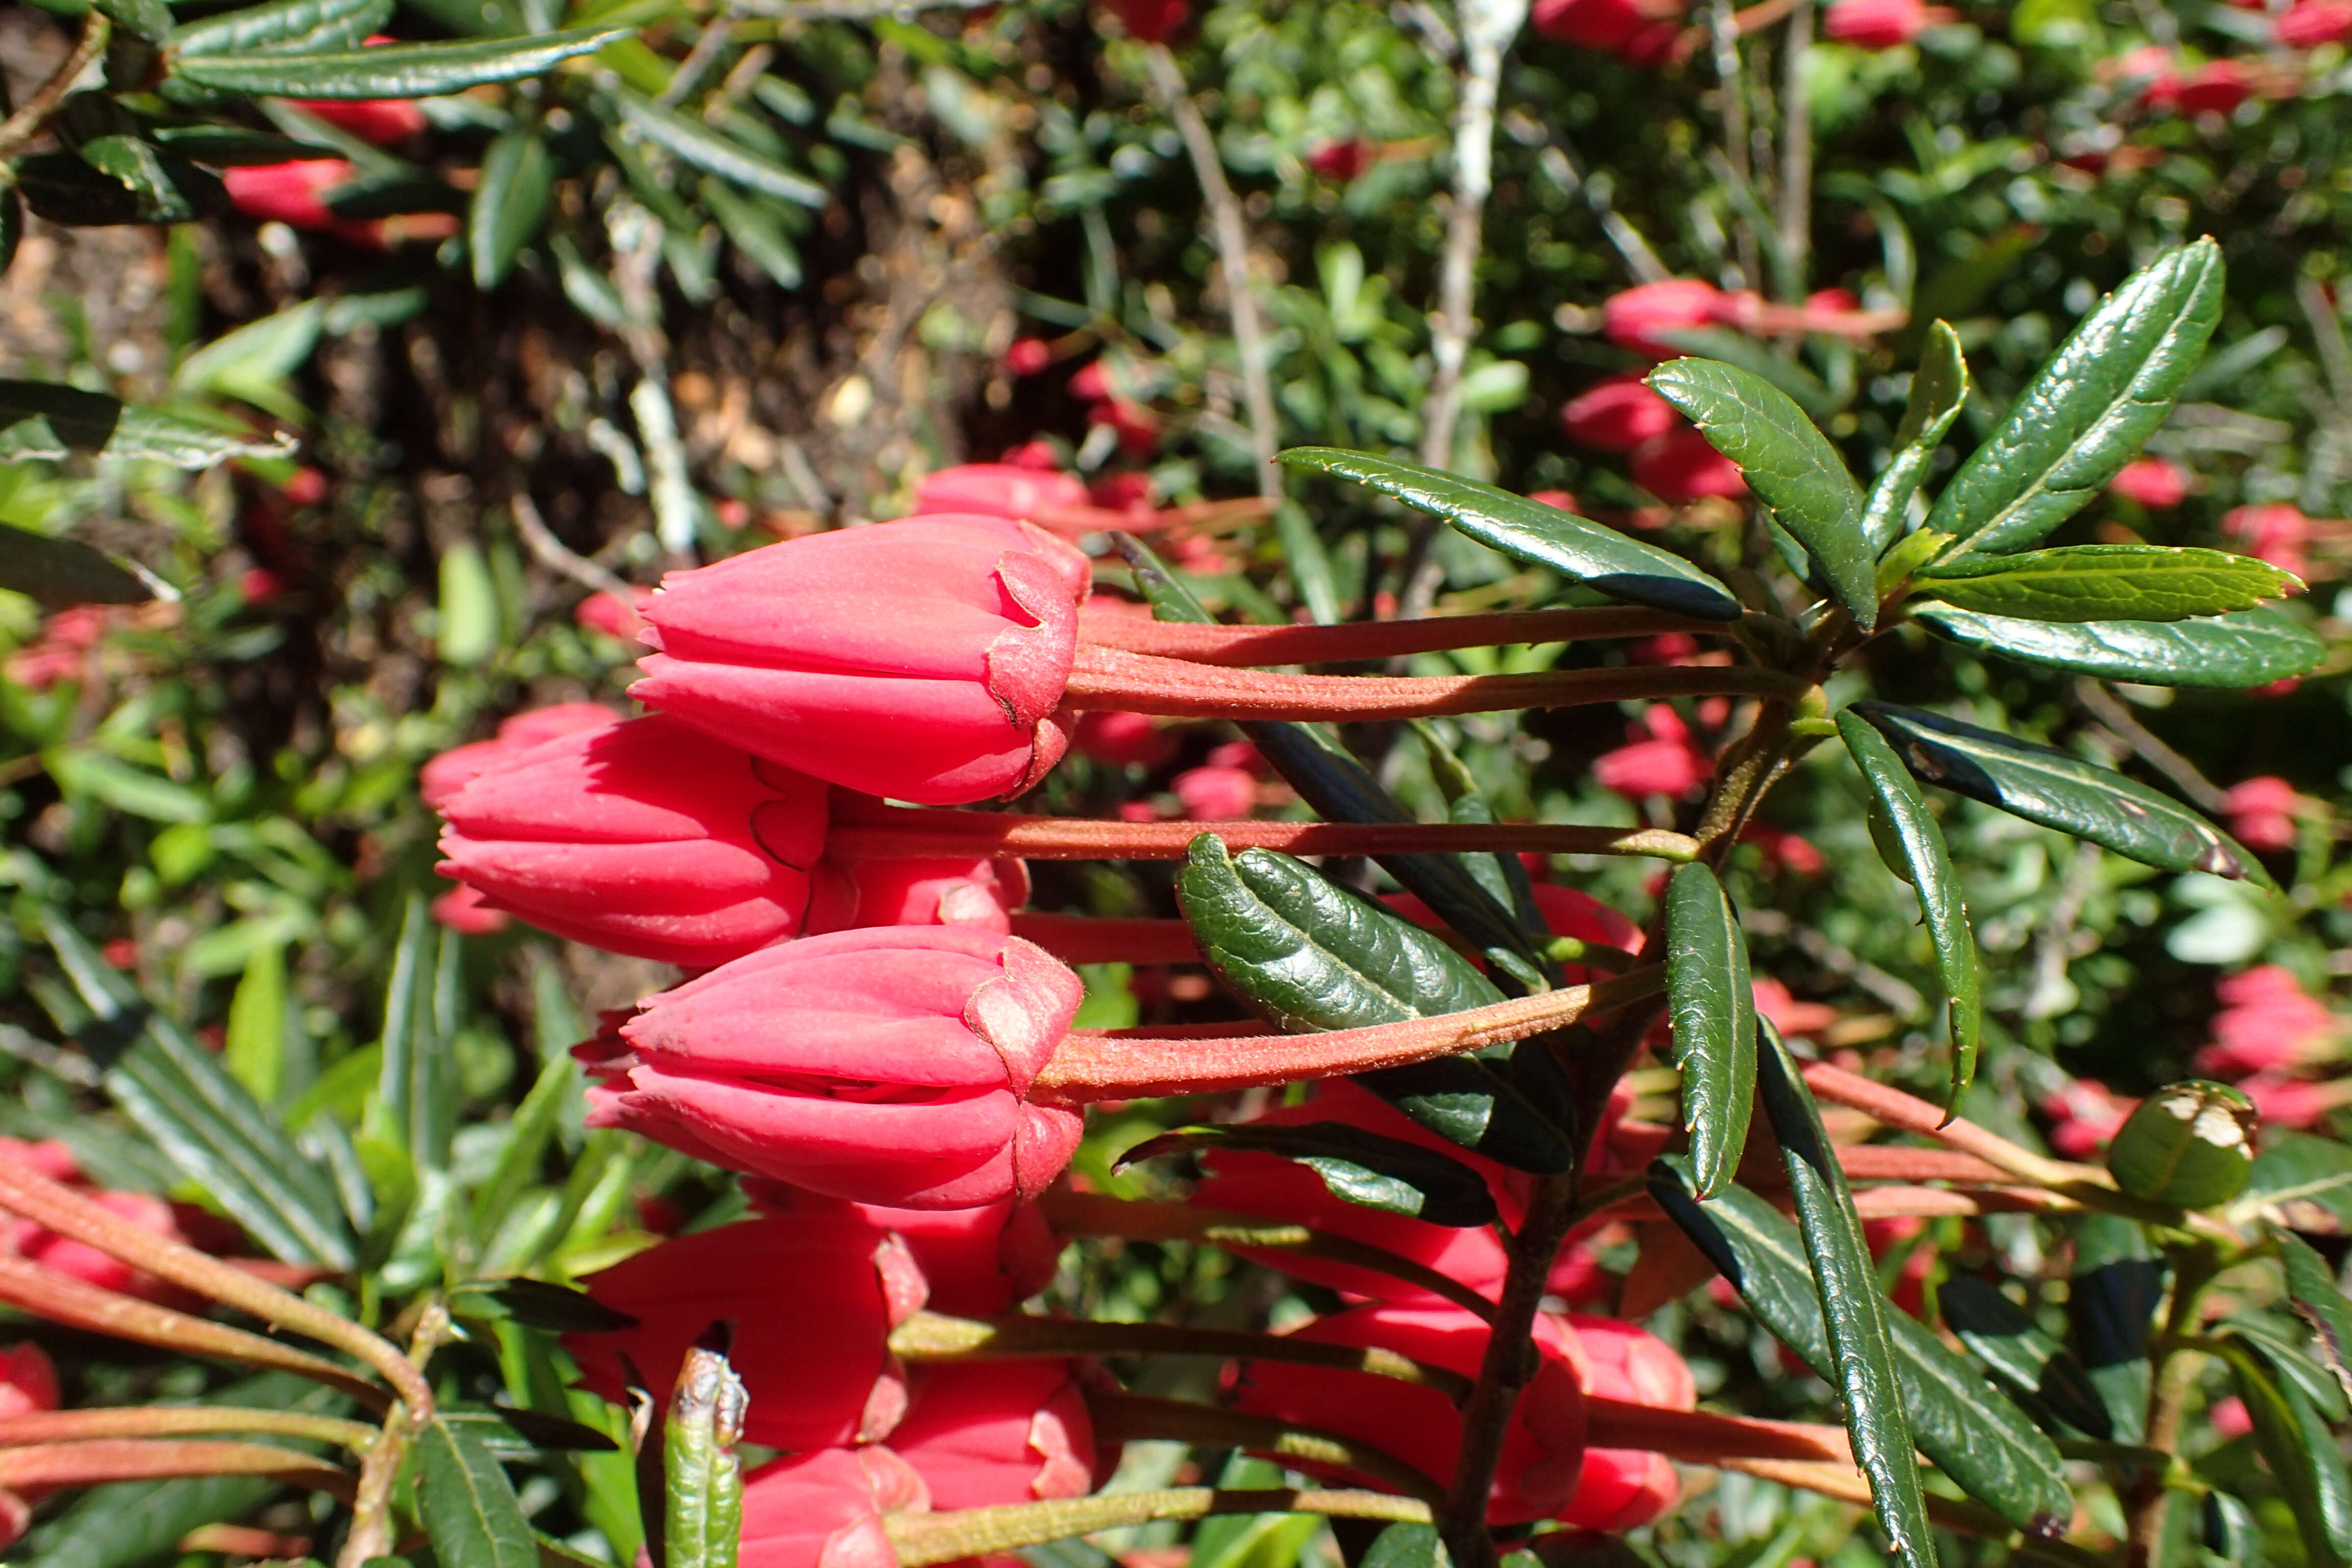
<point x="2103" y="705"/>
<point x="847" y="10"/>
<point x="21" y="127"/>
<point x="1796" y="154"/>
<point x="554" y="553"/>
<point x="1732" y="83"/>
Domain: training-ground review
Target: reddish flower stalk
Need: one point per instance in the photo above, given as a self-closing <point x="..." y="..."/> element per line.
<point x="1704" y="1437"/>
<point x="1080" y="939"/>
<point x="89" y="1464"/>
<point x="865" y="829"/>
<point x="919" y="1539"/>
<point x="1367" y="640"/>
<point x="1094" y="1066"/>
<point x="1102" y="678"/>
<point x="178" y="1421"/>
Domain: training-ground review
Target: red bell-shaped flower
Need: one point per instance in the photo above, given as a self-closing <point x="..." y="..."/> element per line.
<point x="642" y="837"/>
<point x="978" y="1262"/>
<point x="825" y="1510"/>
<point x="1621" y="1489"/>
<point x="998" y="1433"/>
<point x="922" y="659"/>
<point x="812" y="1299"/>
<point x="453" y="770"/>
<point x="885" y="1066"/>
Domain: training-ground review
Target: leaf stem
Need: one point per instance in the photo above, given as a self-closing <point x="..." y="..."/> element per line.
<point x="920" y="1540"/>
<point x="1363" y="641"/>
<point x="1127" y="1417"/>
<point x="179" y="1421"/>
<point x="129" y="1459"/>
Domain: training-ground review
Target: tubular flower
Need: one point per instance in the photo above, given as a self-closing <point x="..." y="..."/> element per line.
<point x="885" y="1066"/>
<point x="1633" y="318"/>
<point x="1542" y="1449"/>
<point x="997" y="490"/>
<point x="2268" y="1022"/>
<point x="982" y="894"/>
<point x="825" y="1510"/>
<point x="978" y="1262"/>
<point x="1622" y="1489"/>
<point x="2156" y="483"/>
<point x="1003" y="1433"/>
<point x="1618" y="414"/>
<point x="642" y="837"/>
<point x="812" y="1299"/>
<point x="922" y="659"/>
<point x="453" y="770"/>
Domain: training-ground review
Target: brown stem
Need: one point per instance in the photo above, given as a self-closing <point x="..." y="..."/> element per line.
<point x="21" y="127"/>
<point x="119" y="1459"/>
<point x="1363" y="641"/>
<point x="180" y="1420"/>
<point x="865" y="829"/>
<point x="371" y="1535"/>
<point x="1103" y="678"/>
<point x="66" y="1212"/>
<point x="2149" y="1499"/>
<point x="1704" y="1438"/>
<point x="1132" y="1418"/>
<point x="1081" y="938"/>
<point x="1088" y="1067"/>
<point x="919" y="1539"/>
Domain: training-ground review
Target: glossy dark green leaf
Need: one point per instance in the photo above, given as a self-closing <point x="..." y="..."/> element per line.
<point x="1309" y="955"/>
<point x="116" y="181"/>
<point x="467" y="1504"/>
<point x="2112" y="1299"/>
<point x="703" y="1475"/>
<point x="205" y="1121"/>
<point x="2251" y="647"/>
<point x="509" y="1431"/>
<point x="1406" y="1546"/>
<point x="304" y="25"/>
<point x="752" y="230"/>
<point x="1790" y="465"/>
<point x="692" y="141"/>
<point x="230" y="147"/>
<point x="42" y="420"/>
<point x="2228" y="1528"/>
<point x="2027" y="1363"/>
<point x="1760" y="360"/>
<point x="56" y="572"/>
<point x="393" y="71"/>
<point x="1360" y="1167"/>
<point x="2048" y="787"/>
<point x="1939" y="387"/>
<point x="1861" y="1359"/>
<point x="1921" y="859"/>
<point x="2311" y="1286"/>
<point x="2089" y="407"/>
<point x="1530" y="530"/>
<point x="2106" y="583"/>
<point x="2301" y="1452"/>
<point x="511" y="204"/>
<point x="1972" y="1431"/>
<point x="2189" y="1143"/>
<point x="2302" y="1182"/>
<point x="2283" y="1345"/>
<point x="416" y="1093"/>
<point x="1713" y="1006"/>
<point x="539" y="1304"/>
<point x="148" y="19"/>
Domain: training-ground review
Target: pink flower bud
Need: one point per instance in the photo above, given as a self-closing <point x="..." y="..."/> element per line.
<point x="1343" y="162"/>
<point x="2269" y="1023"/>
<point x="1623" y="1489"/>
<point x="812" y="1299"/>
<point x="1788" y="1014"/>
<point x="978" y="1261"/>
<point x="2311" y="23"/>
<point x="2263" y="813"/>
<point x="28" y="1382"/>
<point x="1633" y="318"/>
<point x="2156" y="483"/>
<point x="1880" y="24"/>
<point x="1663" y="758"/>
<point x="825" y="1510"/>
<point x="996" y="490"/>
<point x="1681" y="467"/>
<point x="984" y="1436"/>
<point x="292" y="192"/>
<point x="1600" y="24"/>
<point x="612" y="615"/>
<point x="1027" y="356"/>
<point x="1216" y="793"/>
<point x="450" y="771"/>
<point x="1123" y="740"/>
<point x="922" y="661"/>
<point x="884" y="1065"/>
<point x="982" y="894"/>
<point x="642" y="837"/>
<point x="1542" y="1449"/>
<point x="384" y="121"/>
<point x="1619" y="415"/>
<point x="1151" y="21"/>
<point x="2276" y="532"/>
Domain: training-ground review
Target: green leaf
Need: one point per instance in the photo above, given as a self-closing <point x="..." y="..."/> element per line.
<point x="230" y="146"/>
<point x="1406" y="1546"/>
<point x="2030" y="1363"/>
<point x="1309" y="955"/>
<point x="510" y="205"/>
<point x="2107" y="583"/>
<point x="254" y="1050"/>
<point x="147" y="19"/>
<point x="1790" y="465"/>
<point x="41" y="420"/>
<point x="694" y="143"/>
<point x="467" y="1503"/>
<point x="2058" y="791"/>
<point x="1939" y="388"/>
<point x="1970" y="1428"/>
<point x="56" y="572"/>
<point x="1360" y="1167"/>
<point x="2319" y="1300"/>
<point x="201" y="1117"/>
<point x="539" y="1304"/>
<point x="1921" y="861"/>
<point x="1531" y="531"/>
<point x="2228" y="1528"/>
<point x="415" y="1089"/>
<point x="85" y="770"/>
<point x="468" y="607"/>
<point x="2301" y="1452"/>
<point x="704" y="1478"/>
<point x="2251" y="647"/>
<point x="127" y="183"/>
<point x="2189" y="1143"/>
<point x="2112" y="1299"/>
<point x="253" y="361"/>
<point x="2280" y="1344"/>
<point x="2086" y="412"/>
<point x="752" y="230"/>
<point x="392" y="70"/>
<point x="1853" y="1312"/>
<point x="1802" y="386"/>
<point x="2302" y="1182"/>
<point x="293" y="24"/>
<point x="1713" y="1006"/>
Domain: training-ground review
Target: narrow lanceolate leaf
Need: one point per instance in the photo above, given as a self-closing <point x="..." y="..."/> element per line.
<point x="2086" y="412"/>
<point x="1972" y="1431"/>
<point x="205" y="1121"/>
<point x="1938" y="389"/>
<point x="2107" y="583"/>
<point x="56" y="572"/>
<point x="2112" y="1299"/>
<point x="1530" y="530"/>
<point x="2031" y="1365"/>
<point x="1853" y="1312"/>
<point x="697" y="143"/>
<point x="467" y="1503"/>
<point x="392" y="70"/>
<point x="1309" y="955"/>
<point x="42" y="420"/>
<point x="309" y="25"/>
<point x="2301" y="1452"/>
<point x="2281" y="1344"/>
<point x="518" y="186"/>
<point x="415" y="1094"/>
<point x="1790" y="465"/>
<point x="2311" y="1285"/>
<point x="1360" y="1167"/>
<point x="704" y="1476"/>
<point x="2044" y="785"/>
<point x="2251" y="647"/>
<point x="2300" y="1181"/>
<point x="1713" y="1005"/>
<point x="1918" y="842"/>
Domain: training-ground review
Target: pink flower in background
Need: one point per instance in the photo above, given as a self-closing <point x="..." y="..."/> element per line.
<point x="1151" y="21"/>
<point x="2295" y="1102"/>
<point x="28" y="1380"/>
<point x="1623" y="1489"/>
<point x="1788" y="1014"/>
<point x="2311" y="23"/>
<point x="612" y="615"/>
<point x="2085" y="1116"/>
<point x="1618" y="414"/>
<point x="1882" y="24"/>
<point x="450" y="771"/>
<point x="1680" y="467"/>
<point x="996" y="490"/>
<point x="2268" y="1022"/>
<point x="2277" y="531"/>
<point x="1343" y="162"/>
<point x="2156" y="483"/>
<point x="464" y="910"/>
<point x="1216" y="793"/>
<point x="1783" y="850"/>
<point x="1663" y="759"/>
<point x="1027" y="356"/>
<point x="1123" y="740"/>
<point x="1634" y="317"/>
<point x="2263" y="812"/>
